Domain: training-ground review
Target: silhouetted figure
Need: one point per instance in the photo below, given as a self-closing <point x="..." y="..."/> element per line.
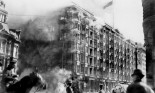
<point x="8" y="77"/>
<point x="137" y="86"/>
<point x="113" y="91"/>
<point x="26" y="84"/>
<point x="69" y="88"/>
<point x="101" y="90"/>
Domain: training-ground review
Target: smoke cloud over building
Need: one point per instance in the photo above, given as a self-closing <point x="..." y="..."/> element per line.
<point x="42" y="50"/>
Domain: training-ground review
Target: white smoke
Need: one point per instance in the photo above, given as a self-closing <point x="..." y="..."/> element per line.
<point x="55" y="79"/>
<point x="22" y="10"/>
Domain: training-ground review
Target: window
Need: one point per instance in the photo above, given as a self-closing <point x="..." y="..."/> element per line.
<point x="77" y="46"/>
<point x="95" y="61"/>
<point x="16" y="54"/>
<point x="4" y="18"/>
<point x="101" y="62"/>
<point x="78" y="57"/>
<point x="82" y="68"/>
<point x="86" y="70"/>
<point x="78" y="69"/>
<point x="91" y="34"/>
<point x="95" y="51"/>
<point x="82" y="57"/>
<point x="15" y="51"/>
<point x="91" y="52"/>
<point x="86" y="59"/>
<point x="1" y="17"/>
<point x="95" y="43"/>
<point x="91" y="71"/>
<point x="3" y="46"/>
<point x="9" y="49"/>
<point x="83" y="27"/>
<point x="91" y="61"/>
<point x="1" y="65"/>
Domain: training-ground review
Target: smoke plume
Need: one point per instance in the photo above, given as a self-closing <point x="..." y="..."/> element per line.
<point x="56" y="78"/>
<point x="42" y="50"/>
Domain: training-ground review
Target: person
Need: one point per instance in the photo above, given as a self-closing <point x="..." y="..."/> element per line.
<point x="138" y="86"/>
<point x="113" y="91"/>
<point x="101" y="90"/>
<point x="69" y="86"/>
<point x="9" y="77"/>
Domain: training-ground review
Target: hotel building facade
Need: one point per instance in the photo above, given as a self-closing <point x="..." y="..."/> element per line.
<point x="101" y="56"/>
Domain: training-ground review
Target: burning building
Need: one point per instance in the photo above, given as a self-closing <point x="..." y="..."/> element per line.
<point x="100" y="55"/>
<point x="71" y="38"/>
<point x="9" y="42"/>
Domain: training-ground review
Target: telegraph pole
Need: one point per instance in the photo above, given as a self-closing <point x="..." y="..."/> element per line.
<point x="136" y="56"/>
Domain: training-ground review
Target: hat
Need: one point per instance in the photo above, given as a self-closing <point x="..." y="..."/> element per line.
<point x="138" y="72"/>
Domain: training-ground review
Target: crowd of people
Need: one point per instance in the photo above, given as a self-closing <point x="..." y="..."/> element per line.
<point x="137" y="86"/>
<point x="9" y="78"/>
<point x="72" y="86"/>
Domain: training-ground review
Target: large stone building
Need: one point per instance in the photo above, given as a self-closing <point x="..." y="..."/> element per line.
<point x="149" y="33"/>
<point x="9" y="42"/>
<point x="100" y="55"/>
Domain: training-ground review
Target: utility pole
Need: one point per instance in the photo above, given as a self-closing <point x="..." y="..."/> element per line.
<point x="136" y="57"/>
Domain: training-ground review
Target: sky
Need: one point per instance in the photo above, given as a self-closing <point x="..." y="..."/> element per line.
<point x="125" y="15"/>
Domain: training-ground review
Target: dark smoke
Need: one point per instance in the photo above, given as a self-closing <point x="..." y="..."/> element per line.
<point x="41" y="46"/>
<point x="43" y="49"/>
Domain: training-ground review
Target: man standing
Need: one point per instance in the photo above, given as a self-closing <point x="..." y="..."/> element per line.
<point x="101" y="90"/>
<point x="137" y="86"/>
<point x="69" y="85"/>
<point x="9" y="77"/>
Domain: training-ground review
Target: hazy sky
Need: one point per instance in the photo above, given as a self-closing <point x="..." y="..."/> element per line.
<point x="127" y="13"/>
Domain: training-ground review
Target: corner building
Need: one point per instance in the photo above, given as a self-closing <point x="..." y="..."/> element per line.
<point x="100" y="55"/>
<point x="9" y="43"/>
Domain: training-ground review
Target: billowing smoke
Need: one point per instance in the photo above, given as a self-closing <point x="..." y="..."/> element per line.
<point x="39" y="44"/>
<point x="56" y="78"/>
<point x="22" y="10"/>
<point x="43" y="50"/>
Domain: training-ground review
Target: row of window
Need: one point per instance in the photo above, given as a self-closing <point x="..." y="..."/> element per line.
<point x="113" y="74"/>
<point x="5" y="48"/>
